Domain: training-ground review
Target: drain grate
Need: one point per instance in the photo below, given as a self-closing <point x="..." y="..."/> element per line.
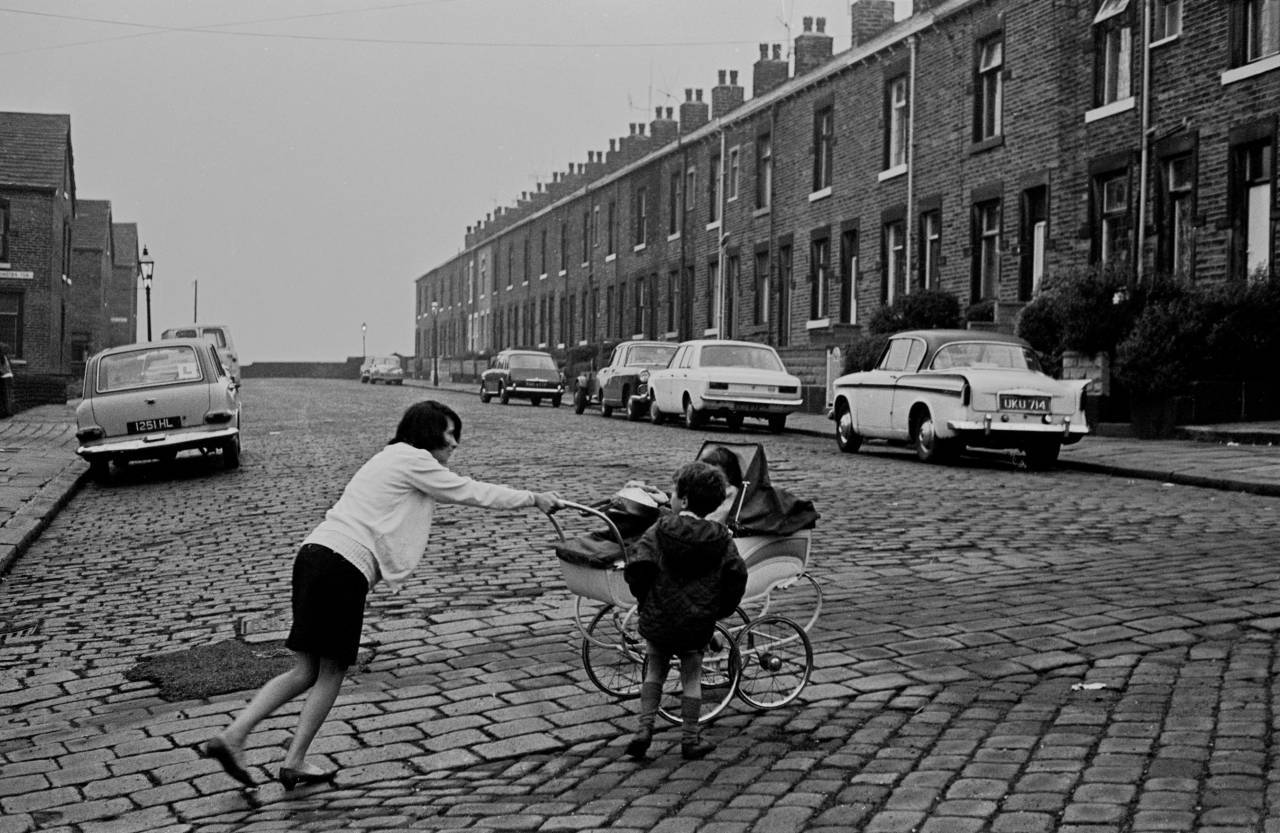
<point x="12" y="630"/>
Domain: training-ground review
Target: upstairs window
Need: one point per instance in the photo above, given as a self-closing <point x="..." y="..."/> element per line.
<point x="611" y="242"/>
<point x="564" y="246"/>
<point x="641" y="229"/>
<point x="1256" y="30"/>
<point x="1113" y="50"/>
<point x="731" y="175"/>
<point x="896" y="123"/>
<point x="1166" y="20"/>
<point x="543" y="252"/>
<point x="713" y="189"/>
<point x="988" y="101"/>
<point x="675" y="204"/>
<point x="823" y="143"/>
<point x="690" y="189"/>
<point x="586" y="236"/>
<point x="764" y="171"/>
<point x="4" y="231"/>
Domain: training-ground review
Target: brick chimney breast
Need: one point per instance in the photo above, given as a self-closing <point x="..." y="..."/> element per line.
<point x="663" y="129"/>
<point x="870" y="19"/>
<point x="769" y="73"/>
<point x="725" y="96"/>
<point x="693" y="114"/>
<point x="813" y="49"/>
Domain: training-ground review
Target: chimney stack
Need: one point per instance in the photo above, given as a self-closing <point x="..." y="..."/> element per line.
<point x="693" y="114"/>
<point x="813" y="48"/>
<point x="770" y="73"/>
<point x="870" y="19"/>
<point x="726" y="95"/>
<point x="662" y="129"/>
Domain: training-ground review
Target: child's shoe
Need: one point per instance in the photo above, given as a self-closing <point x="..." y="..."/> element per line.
<point x="639" y="744"/>
<point x="693" y="750"/>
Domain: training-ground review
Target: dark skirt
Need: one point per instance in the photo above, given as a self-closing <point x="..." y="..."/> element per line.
<point x="328" y="605"/>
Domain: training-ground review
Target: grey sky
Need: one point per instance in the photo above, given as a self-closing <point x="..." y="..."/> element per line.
<point x="305" y="161"/>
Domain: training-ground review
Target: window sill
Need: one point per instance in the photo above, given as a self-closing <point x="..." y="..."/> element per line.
<point x="820" y="194"/>
<point x="562" y="273"/>
<point x="510" y="286"/>
<point x="711" y="332"/>
<point x="673" y="237"/>
<point x="1250" y="70"/>
<point x="639" y="247"/>
<point x="543" y="276"/>
<point x="762" y="212"/>
<point x="610" y="258"/>
<point x="1163" y="41"/>
<point x="670" y="334"/>
<point x="713" y="226"/>
<point x="987" y="144"/>
<point x="891" y="173"/>
<point x="1123" y="105"/>
<point x="817" y="323"/>
<point x="526" y="283"/>
<point x="584" y="264"/>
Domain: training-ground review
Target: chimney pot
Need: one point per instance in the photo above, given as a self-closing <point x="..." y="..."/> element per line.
<point x="722" y="75"/>
<point x="688" y="94"/>
<point x="764" y="51"/>
<point x="657" y="112"/>
<point x="733" y="77"/>
<point x="640" y="127"/>
<point x="613" y="145"/>
<point x="777" y="52"/>
<point x="808" y="24"/>
<point x="698" y="92"/>
<point x="821" y="23"/>
<point x="670" y="112"/>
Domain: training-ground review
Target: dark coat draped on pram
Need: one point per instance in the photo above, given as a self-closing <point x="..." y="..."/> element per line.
<point x="763" y="509"/>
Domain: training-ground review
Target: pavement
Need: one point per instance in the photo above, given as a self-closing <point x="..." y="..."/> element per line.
<point x="40" y="472"/>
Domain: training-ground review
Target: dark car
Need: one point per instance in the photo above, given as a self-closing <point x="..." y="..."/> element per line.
<point x="624" y="381"/>
<point x="522" y="374"/>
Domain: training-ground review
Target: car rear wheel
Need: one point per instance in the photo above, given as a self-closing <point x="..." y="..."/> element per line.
<point x="930" y="448"/>
<point x="231" y="453"/>
<point x="1042" y="456"/>
<point x="605" y="410"/>
<point x="364" y="380"/>
<point x="100" y="470"/>
<point x="503" y="396"/>
<point x="656" y="416"/>
<point x="734" y="421"/>
<point x="579" y="401"/>
<point x="693" y="418"/>
<point x="778" y="423"/>
<point x="555" y="402"/>
<point x="535" y="401"/>
<point x="847" y="439"/>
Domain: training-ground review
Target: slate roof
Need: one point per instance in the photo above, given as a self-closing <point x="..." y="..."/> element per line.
<point x="34" y="148"/>
<point x="126" y="253"/>
<point x="92" y="229"/>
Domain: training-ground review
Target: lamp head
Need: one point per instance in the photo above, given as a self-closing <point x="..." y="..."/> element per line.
<point x="148" y="266"/>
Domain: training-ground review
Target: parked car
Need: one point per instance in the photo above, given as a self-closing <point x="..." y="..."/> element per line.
<point x="726" y="379"/>
<point x="522" y="374"/>
<point x="151" y="401"/>
<point x="624" y="381"/>
<point x="942" y="390"/>
<point x="385" y="369"/>
<point x="217" y="334"/>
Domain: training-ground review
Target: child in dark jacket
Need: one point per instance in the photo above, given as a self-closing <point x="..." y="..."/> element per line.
<point x="685" y="573"/>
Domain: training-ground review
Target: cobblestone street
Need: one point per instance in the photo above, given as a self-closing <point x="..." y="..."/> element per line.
<point x="998" y="650"/>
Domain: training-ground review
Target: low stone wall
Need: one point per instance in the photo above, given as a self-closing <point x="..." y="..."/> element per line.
<point x="32" y="389"/>
<point x="350" y="369"/>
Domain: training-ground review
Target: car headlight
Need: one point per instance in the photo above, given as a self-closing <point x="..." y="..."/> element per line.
<point x="643" y="377"/>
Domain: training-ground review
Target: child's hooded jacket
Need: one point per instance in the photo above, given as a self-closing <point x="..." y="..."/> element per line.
<point x="685" y="573"/>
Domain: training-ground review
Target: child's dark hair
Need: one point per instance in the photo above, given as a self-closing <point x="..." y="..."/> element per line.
<point x="701" y="486"/>
<point x="725" y="460"/>
<point x="424" y="425"/>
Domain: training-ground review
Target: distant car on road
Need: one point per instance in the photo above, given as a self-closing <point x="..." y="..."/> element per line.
<point x="522" y="374"/>
<point x="726" y="379"/>
<point x="218" y="335"/>
<point x="624" y="381"/>
<point x="151" y="401"/>
<point x="385" y="369"/>
<point x="942" y="390"/>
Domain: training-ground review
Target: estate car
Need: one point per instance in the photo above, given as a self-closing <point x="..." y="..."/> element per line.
<point x="522" y="374"/>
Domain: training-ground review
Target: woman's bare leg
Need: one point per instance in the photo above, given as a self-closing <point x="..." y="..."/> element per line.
<point x="314" y="711"/>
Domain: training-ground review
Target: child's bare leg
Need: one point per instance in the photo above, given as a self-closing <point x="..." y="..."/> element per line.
<point x="314" y="711"/>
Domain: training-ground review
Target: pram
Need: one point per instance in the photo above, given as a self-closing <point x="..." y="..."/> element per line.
<point x="763" y="657"/>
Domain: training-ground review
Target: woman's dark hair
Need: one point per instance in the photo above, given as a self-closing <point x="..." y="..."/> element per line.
<point x="424" y="425"/>
<point x="725" y="460"/>
<point x="701" y="486"/>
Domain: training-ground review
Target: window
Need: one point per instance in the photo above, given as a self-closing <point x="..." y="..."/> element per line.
<point x="731" y="182"/>
<point x="543" y="253"/>
<point x="610" y="239"/>
<point x="673" y="289"/>
<point x="988" y="99"/>
<point x="761" y="289"/>
<point x="4" y="231"/>
<point x="713" y="189"/>
<point x="690" y="189"/>
<point x="641" y="308"/>
<point x="764" y="171"/>
<point x="675" y="204"/>
<point x="896" y="123"/>
<point x="785" y="264"/>
<point x="1033" y="233"/>
<point x="1166" y="19"/>
<point x="1257" y="30"/>
<point x="564" y="245"/>
<point x="1113" y="45"/>
<point x="566" y="319"/>
<point x="642" y="217"/>
<point x="930" y="248"/>
<point x="11" y="322"/>
<point x="713" y="293"/>
<point x="1251" y="214"/>
<point x="893" y="276"/>
<point x="986" y="250"/>
<point x="622" y="310"/>
<point x="1111" y="217"/>
<point x="1177" y="190"/>
<point x="848" y="276"/>
<point x="819" y="278"/>
<point x="733" y="270"/>
<point x="586" y="236"/>
<point x="608" y="312"/>
<point x="823" y="142"/>
<point x="525" y="259"/>
<point x="595" y="227"/>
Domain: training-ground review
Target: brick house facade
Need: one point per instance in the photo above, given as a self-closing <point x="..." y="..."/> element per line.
<point x="122" y="291"/>
<point x="92" y="256"/>
<point x="974" y="147"/>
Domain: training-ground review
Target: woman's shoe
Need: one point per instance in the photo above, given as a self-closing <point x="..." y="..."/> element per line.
<point x="291" y="777"/>
<point x="221" y="751"/>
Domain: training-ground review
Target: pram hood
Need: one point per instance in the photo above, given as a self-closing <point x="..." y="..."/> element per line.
<point x="762" y="508"/>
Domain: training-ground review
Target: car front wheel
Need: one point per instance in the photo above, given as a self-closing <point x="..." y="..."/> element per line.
<point x="579" y="401"/>
<point x="555" y="402"/>
<point x="503" y="396"/>
<point x="485" y="396"/>
<point x="778" y="423"/>
<point x="1042" y="456"/>
<point x="656" y="416"/>
<point x="847" y="439"/>
<point x="930" y="448"/>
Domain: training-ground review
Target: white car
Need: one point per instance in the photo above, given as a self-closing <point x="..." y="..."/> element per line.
<point x="942" y="390"/>
<point x="725" y="379"/>
<point x="219" y="335"/>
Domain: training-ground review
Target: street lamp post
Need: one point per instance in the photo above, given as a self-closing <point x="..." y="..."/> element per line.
<point x="364" y="350"/>
<point x="435" y="345"/>
<point x="148" y="270"/>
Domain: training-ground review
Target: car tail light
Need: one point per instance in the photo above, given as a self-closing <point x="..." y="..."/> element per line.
<point x="718" y="385"/>
<point x="787" y="389"/>
<point x="218" y="417"/>
<point x="93" y="432"/>
<point x="966" y="394"/>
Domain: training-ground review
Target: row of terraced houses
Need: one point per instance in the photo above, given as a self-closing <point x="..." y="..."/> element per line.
<point x="68" y="271"/>
<point x="976" y="146"/>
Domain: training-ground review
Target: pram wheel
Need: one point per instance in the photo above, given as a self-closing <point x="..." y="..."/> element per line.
<point x="720" y="667"/>
<point x="613" y="653"/>
<point x="777" y="660"/>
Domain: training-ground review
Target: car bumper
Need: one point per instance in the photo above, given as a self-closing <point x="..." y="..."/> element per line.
<point x="990" y="425"/>
<point x="519" y="390"/>
<point x="140" y="446"/>
<point x="747" y="406"/>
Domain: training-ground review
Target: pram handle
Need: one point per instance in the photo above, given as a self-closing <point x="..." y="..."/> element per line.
<point x="592" y="511"/>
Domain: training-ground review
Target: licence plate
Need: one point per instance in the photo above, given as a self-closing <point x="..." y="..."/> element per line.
<point x="144" y="426"/>
<point x="1034" y="404"/>
<point x="749" y="406"/>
